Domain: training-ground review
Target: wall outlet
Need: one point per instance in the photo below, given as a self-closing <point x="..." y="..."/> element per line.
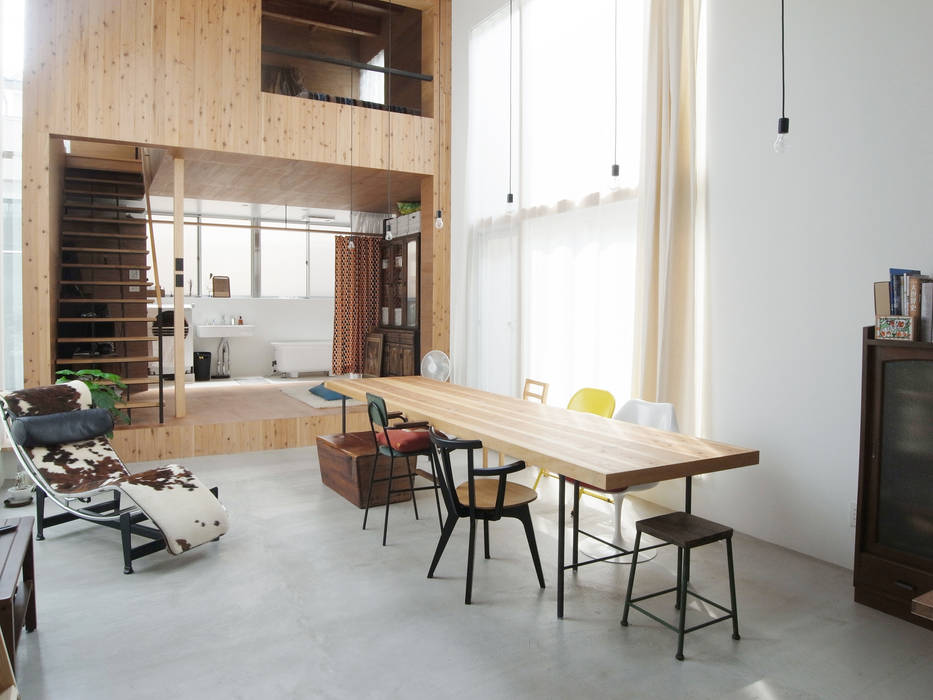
<point x="853" y="514"/>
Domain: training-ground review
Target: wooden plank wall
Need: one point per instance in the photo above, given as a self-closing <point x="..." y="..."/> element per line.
<point x="179" y="441"/>
<point x="186" y="73"/>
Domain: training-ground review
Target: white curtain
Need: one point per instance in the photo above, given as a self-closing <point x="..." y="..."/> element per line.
<point x="668" y="327"/>
<point x="548" y="292"/>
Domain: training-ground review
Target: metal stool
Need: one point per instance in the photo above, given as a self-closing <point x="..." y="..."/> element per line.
<point x="686" y="531"/>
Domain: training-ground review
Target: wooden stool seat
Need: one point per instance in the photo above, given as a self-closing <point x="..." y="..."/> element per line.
<point x="685" y="531"/>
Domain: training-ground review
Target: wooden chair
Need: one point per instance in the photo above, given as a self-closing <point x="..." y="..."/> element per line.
<point x="481" y="499"/>
<point x="405" y="441"/>
<point x="532" y="391"/>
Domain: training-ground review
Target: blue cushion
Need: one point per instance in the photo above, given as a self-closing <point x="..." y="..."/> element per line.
<point x="325" y="393"/>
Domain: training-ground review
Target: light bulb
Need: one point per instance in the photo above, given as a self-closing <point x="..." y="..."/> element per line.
<point x="351" y="245"/>
<point x="780" y="143"/>
<point x="439" y="221"/>
<point x="615" y="180"/>
<point x="389" y="234"/>
<point x="510" y="204"/>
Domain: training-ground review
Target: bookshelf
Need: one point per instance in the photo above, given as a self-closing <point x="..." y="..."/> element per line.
<point x="893" y="545"/>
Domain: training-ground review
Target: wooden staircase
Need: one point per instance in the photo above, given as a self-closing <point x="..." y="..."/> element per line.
<point x="103" y="320"/>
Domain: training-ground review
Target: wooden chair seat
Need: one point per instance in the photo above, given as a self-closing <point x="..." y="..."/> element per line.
<point x="486" y="490"/>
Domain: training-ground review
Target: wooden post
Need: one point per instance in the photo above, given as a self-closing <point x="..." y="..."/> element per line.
<point x="179" y="283"/>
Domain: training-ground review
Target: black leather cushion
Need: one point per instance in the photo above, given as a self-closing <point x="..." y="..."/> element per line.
<point x="61" y="428"/>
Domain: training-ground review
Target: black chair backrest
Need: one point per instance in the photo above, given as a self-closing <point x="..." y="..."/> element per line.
<point x="445" y="445"/>
<point x="378" y="414"/>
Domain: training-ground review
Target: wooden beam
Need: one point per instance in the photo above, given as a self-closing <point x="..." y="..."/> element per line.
<point x="315" y="16"/>
<point x="178" y="276"/>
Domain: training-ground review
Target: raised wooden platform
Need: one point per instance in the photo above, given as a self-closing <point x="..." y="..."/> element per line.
<point x="225" y="418"/>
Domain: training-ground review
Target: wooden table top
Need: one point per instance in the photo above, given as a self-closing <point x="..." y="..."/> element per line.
<point x="606" y="453"/>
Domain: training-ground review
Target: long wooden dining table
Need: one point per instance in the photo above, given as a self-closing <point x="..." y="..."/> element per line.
<point x="608" y="454"/>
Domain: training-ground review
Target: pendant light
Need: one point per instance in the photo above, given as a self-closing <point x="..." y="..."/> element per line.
<point x="510" y="204"/>
<point x="351" y="244"/>
<point x="438" y="221"/>
<point x="780" y="143"/>
<point x="615" y="181"/>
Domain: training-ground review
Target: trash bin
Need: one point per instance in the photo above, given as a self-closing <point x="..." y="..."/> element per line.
<point x="202" y="366"/>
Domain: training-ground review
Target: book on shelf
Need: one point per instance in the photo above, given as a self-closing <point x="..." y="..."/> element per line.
<point x="908" y="295"/>
<point x="897" y="288"/>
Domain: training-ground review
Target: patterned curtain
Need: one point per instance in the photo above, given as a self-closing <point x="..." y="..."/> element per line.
<point x="356" y="299"/>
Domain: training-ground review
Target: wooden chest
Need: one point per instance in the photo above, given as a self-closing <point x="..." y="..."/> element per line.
<point x="347" y="461"/>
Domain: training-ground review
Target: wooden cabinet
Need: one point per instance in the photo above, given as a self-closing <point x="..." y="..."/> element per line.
<point x="399" y="305"/>
<point x="894" y="535"/>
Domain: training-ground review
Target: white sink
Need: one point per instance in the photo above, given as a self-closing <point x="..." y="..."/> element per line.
<point x="225" y="331"/>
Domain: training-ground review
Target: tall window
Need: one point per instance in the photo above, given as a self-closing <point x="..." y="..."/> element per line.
<point x="556" y="279"/>
<point x="164" y="232"/>
<point x="227" y="251"/>
<point x="284" y="272"/>
<point x="373" y="83"/>
<point x="11" y="167"/>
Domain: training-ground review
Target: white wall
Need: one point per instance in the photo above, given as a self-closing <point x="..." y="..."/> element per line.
<point x="275" y="319"/>
<point x="797" y="240"/>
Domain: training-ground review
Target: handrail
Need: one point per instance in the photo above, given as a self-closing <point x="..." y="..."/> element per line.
<point x="147" y="177"/>
<point x="147" y="164"/>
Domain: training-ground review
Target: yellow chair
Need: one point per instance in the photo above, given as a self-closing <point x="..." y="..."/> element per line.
<point x="532" y="391"/>
<point x="588" y="400"/>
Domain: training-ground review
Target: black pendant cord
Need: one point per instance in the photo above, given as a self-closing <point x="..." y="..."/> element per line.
<point x="783" y="115"/>
<point x="783" y="122"/>
<point x="615" y="85"/>
<point x="510" y="101"/>
<point x="389" y="105"/>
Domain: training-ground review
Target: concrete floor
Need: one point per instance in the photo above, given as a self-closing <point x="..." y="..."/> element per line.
<point x="297" y="602"/>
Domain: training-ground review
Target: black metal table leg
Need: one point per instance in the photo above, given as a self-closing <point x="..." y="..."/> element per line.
<point x="343" y="417"/>
<point x="560" y="547"/>
<point x="688" y="494"/>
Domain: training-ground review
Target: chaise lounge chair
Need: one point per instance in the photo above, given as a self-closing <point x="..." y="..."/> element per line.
<point x="61" y="443"/>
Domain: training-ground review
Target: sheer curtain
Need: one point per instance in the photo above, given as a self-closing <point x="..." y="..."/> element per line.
<point x="548" y="292"/>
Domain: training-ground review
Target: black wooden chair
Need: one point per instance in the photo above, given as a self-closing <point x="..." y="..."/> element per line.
<point x="481" y="499"/>
<point x="403" y="441"/>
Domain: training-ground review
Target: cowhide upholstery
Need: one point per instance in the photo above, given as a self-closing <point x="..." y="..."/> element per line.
<point x="172" y="497"/>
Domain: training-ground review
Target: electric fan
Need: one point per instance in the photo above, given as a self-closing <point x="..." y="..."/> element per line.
<point x="436" y="365"/>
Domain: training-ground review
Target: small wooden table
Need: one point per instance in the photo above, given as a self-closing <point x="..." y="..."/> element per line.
<point x="17" y="599"/>
<point x="609" y="454"/>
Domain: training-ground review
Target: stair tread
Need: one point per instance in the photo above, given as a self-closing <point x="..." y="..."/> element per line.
<point x="137" y="404"/>
<point x="105" y="266"/>
<point x="101" y="319"/>
<point x="108" y="195"/>
<point x="136" y="380"/>
<point x="99" y="234"/>
<point x="118" y="251"/>
<point x="105" y="220"/>
<point x="110" y="339"/>
<point x="106" y="283"/>
<point x="102" y="180"/>
<point x="103" y="207"/>
<point x="106" y="300"/>
<point x="106" y="360"/>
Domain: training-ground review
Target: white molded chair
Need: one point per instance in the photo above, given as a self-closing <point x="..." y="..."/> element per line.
<point x="652" y="415"/>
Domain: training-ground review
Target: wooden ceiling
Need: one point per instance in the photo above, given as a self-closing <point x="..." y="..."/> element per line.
<point x="261" y="180"/>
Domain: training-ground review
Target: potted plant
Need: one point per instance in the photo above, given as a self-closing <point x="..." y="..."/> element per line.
<point x="105" y="389"/>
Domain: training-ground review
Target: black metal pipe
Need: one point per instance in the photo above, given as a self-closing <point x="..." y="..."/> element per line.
<point x="294" y="53"/>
